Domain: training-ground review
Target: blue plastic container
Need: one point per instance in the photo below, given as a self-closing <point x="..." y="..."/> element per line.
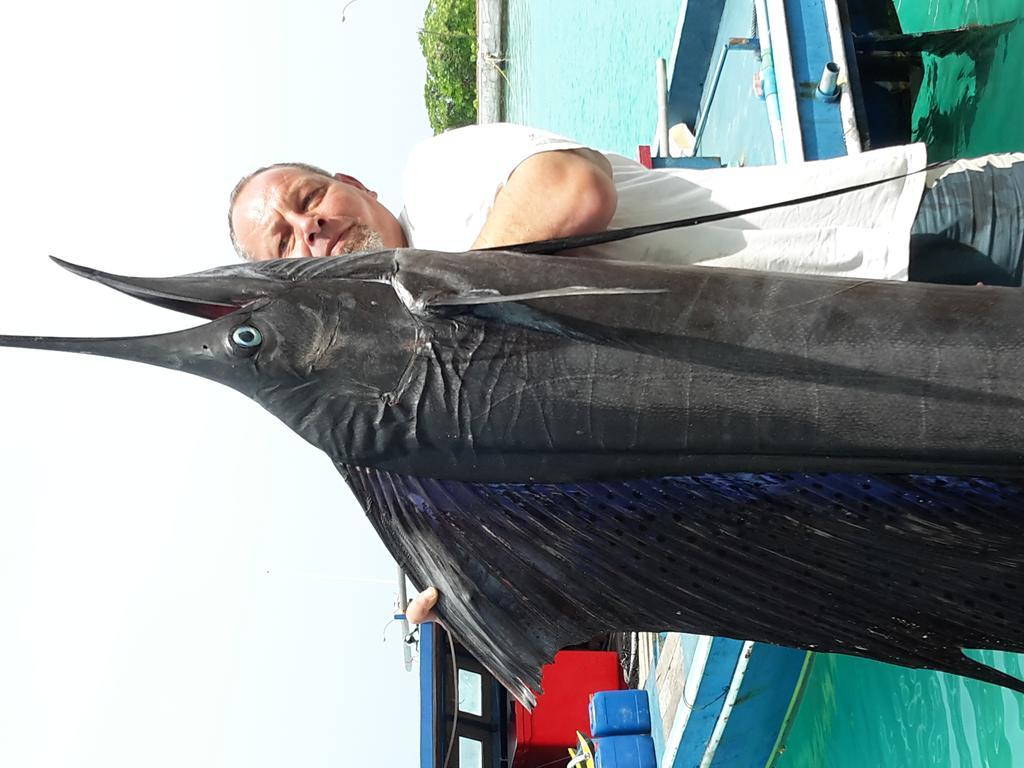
<point x="619" y="713"/>
<point x="626" y="752"/>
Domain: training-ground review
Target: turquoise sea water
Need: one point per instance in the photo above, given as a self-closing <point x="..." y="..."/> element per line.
<point x="586" y="70"/>
<point x="856" y="713"/>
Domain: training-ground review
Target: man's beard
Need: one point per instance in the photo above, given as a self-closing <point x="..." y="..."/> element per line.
<point x="362" y="238"/>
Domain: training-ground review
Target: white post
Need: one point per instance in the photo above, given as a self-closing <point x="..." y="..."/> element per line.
<point x="661" y="72"/>
<point x="403" y="602"/>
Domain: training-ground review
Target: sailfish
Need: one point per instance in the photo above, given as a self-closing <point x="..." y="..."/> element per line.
<point x="567" y="446"/>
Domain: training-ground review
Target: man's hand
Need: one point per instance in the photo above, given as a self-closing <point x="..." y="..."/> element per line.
<point x="421" y="607"/>
<point x="552" y="194"/>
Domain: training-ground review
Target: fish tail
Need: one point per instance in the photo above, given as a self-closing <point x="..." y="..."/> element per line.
<point x="968" y="667"/>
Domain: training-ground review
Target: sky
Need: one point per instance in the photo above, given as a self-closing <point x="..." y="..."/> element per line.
<point x="183" y="581"/>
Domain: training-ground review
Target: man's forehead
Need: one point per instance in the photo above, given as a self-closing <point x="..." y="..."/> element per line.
<point x="260" y="197"/>
<point x="256" y="209"/>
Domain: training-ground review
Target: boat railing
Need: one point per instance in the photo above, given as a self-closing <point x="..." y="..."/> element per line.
<point x="734" y="44"/>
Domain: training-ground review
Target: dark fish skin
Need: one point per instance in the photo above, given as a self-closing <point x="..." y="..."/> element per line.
<point x="558" y="442"/>
<point x="724" y="371"/>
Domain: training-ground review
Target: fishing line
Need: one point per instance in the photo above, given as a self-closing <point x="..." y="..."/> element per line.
<point x="455" y="697"/>
<point x="690" y="706"/>
<point x="612" y="235"/>
<point x="384" y="632"/>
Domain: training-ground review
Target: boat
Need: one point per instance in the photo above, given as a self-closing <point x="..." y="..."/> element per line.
<point x="818" y="79"/>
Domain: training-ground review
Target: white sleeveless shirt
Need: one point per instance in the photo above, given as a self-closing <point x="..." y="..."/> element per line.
<point x="451" y="181"/>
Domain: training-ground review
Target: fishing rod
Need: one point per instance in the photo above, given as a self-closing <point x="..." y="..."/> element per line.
<point x="554" y="245"/>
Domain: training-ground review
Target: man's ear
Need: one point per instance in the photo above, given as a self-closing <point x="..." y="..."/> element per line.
<point x="344" y="178"/>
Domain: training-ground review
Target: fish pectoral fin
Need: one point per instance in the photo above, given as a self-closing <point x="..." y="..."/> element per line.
<point x="518" y="310"/>
<point x="484" y="296"/>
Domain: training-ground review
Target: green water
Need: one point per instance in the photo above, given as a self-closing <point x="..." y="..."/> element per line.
<point x="862" y="713"/>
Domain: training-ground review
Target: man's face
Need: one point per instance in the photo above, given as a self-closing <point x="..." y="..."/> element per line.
<point x="287" y="212"/>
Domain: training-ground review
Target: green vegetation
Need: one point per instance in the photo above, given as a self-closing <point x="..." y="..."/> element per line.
<point x="448" y="40"/>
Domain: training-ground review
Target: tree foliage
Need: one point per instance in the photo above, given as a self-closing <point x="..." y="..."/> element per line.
<point x="448" y="40"/>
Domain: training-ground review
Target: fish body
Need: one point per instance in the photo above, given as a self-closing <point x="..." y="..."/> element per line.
<point x="683" y="371"/>
<point x="566" y="446"/>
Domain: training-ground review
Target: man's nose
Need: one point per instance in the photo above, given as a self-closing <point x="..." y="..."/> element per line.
<point x="308" y="230"/>
<point x="313" y="234"/>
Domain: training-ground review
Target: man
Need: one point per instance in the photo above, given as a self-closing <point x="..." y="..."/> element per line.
<point x="267" y="208"/>
<point x="503" y="184"/>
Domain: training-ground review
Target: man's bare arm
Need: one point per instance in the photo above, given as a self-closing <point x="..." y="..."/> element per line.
<point x="552" y="194"/>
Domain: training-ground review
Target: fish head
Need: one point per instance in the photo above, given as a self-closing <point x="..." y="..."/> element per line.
<point x="313" y="346"/>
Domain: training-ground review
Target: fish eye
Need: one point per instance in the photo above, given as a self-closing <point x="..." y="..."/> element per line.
<point x="246" y="339"/>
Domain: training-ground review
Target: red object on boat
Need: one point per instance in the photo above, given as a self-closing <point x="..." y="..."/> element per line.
<point x="643" y="152"/>
<point x="545" y="735"/>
